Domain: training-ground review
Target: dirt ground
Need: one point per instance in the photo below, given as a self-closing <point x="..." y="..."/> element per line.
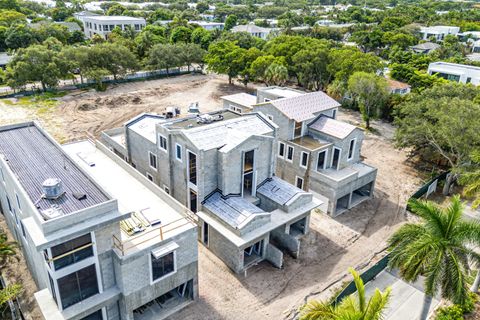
<point x="355" y="239"/>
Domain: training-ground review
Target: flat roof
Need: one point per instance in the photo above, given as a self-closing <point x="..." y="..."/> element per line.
<point x="310" y="142"/>
<point x="131" y="194"/>
<point x="243" y="99"/>
<point x="284" y="92"/>
<point x="452" y="67"/>
<point x="332" y="127"/>
<point x="144" y="125"/>
<point x="110" y="18"/>
<point x="33" y="157"/>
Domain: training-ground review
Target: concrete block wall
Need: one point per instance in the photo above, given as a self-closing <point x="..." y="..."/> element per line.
<point x="285" y="126"/>
<point x="274" y="256"/>
<point x="280" y="237"/>
<point x="138" y="148"/>
<point x="133" y="272"/>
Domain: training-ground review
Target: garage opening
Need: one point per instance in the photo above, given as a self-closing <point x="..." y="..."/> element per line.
<point x="342" y="204"/>
<point x="166" y="302"/>
<point x="299" y="227"/>
<point x="362" y="193"/>
<point x="252" y="254"/>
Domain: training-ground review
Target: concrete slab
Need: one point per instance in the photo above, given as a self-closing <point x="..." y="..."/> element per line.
<point x="406" y="300"/>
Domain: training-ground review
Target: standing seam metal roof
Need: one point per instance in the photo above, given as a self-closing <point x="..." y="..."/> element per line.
<point x="306" y="106"/>
<point x="34" y="158"/>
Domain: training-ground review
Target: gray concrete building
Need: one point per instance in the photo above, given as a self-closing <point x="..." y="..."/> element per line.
<point x="315" y="152"/>
<point x="221" y="165"/>
<point x="100" y="240"/>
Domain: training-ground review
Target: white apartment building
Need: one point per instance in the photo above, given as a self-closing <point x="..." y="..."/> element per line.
<point x="103" y="25"/>
<point x="455" y="72"/>
<point x="439" y="32"/>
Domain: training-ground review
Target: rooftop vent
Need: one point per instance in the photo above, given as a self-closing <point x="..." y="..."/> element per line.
<point x="208" y="118"/>
<point x="52" y="188"/>
<point x="54" y="211"/>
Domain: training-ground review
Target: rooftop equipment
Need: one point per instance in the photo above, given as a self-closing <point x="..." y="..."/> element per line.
<point x="52" y="188"/>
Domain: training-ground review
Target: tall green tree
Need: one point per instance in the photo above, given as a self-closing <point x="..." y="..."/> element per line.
<point x="443" y="123"/>
<point x="370" y="92"/>
<point x="190" y="54"/>
<point x="163" y="56"/>
<point x="311" y="67"/>
<point x="36" y="63"/>
<point x="115" y="58"/>
<point x="440" y="247"/>
<point x="224" y="57"/>
<point x="276" y="74"/>
<point x="353" y="307"/>
<point x="231" y="22"/>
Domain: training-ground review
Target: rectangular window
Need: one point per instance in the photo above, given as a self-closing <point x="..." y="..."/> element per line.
<point x="78" y="286"/>
<point x="52" y="287"/>
<point x="322" y="155"/>
<point x="298" y="130"/>
<point x="152" y="160"/>
<point x="290" y="153"/>
<point x="150" y="177"/>
<point x="18" y="202"/>
<point x="163" y="266"/>
<point x="72" y="251"/>
<point x="304" y="159"/>
<point x="193" y="201"/>
<point x="205" y="233"/>
<point x="281" y="149"/>
<point x="9" y="204"/>
<point x="162" y="142"/>
<point x="351" y="149"/>
<point x="97" y="315"/>
<point x="334" y="114"/>
<point x="166" y="189"/>
<point x="192" y="168"/>
<point x="23" y="230"/>
<point x="178" y="152"/>
<point x="336" y="158"/>
<point x="299" y="183"/>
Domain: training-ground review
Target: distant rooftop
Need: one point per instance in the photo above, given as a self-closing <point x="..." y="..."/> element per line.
<point x="33" y="158"/>
<point x="114" y="18"/>
<point x="306" y="106"/>
<point x="426" y="46"/>
<point x="394" y="84"/>
<point x="144" y="125"/>
<point x="243" y="99"/>
<point x="332" y="127"/>
<point x="234" y="210"/>
<point x="454" y="68"/>
<point x="283" y="92"/>
<point x="251" y="28"/>
<point x="5" y="58"/>
<point x="279" y="190"/>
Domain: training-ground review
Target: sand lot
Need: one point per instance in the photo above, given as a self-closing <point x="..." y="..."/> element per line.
<point x="355" y="239"/>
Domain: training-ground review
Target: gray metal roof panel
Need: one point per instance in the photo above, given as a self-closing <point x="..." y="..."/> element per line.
<point x="233" y="210"/>
<point x="279" y="190"/>
<point x="33" y="158"/>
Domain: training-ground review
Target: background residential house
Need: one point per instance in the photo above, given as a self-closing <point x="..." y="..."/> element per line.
<point x="315" y="151"/>
<point x="455" y="72"/>
<point x="103" y="25"/>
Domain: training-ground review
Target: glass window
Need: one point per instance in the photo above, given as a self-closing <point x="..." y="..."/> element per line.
<point x="152" y="160"/>
<point x="65" y="259"/>
<point x="94" y="316"/>
<point x="304" y="159"/>
<point x="18" y="202"/>
<point x="179" y="152"/>
<point x="351" y="149"/>
<point x="52" y="288"/>
<point x="281" y="149"/>
<point x="299" y="183"/>
<point x="290" y="153"/>
<point x="9" y="204"/>
<point x="321" y="160"/>
<point x="162" y="142"/>
<point x="192" y="168"/>
<point x="78" y="286"/>
<point x="163" y="266"/>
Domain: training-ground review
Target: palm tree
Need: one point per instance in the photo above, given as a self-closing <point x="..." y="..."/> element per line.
<point x="440" y="248"/>
<point x="353" y="307"/>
